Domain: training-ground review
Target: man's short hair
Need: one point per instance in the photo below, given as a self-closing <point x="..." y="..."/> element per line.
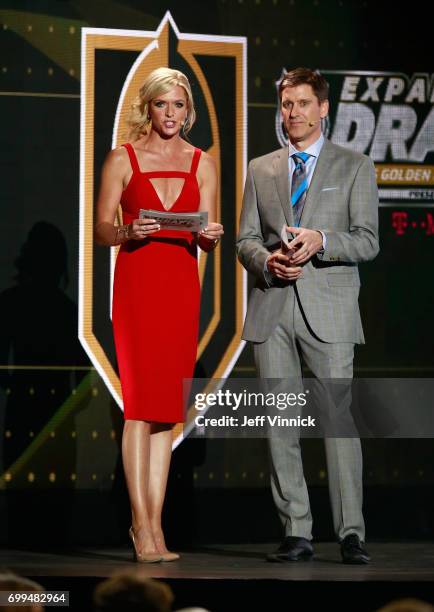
<point x="305" y="76"/>
<point x="130" y="591"/>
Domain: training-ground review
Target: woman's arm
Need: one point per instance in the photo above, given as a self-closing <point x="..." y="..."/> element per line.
<point x="115" y="170"/>
<point x="208" y="186"/>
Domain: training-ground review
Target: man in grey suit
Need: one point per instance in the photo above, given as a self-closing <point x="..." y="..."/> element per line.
<point x="304" y="305"/>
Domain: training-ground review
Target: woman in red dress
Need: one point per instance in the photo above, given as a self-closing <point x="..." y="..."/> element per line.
<point x="156" y="293"/>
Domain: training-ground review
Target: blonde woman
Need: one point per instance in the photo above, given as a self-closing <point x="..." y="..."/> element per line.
<point x="156" y="292"/>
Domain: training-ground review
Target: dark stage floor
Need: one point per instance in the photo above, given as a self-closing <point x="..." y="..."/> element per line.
<point x="392" y="561"/>
<point x="213" y="576"/>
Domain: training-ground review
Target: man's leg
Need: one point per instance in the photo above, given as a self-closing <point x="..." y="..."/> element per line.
<point x="344" y="454"/>
<point x="278" y="358"/>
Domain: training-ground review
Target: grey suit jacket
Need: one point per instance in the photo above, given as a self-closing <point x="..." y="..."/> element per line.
<point x="342" y="201"/>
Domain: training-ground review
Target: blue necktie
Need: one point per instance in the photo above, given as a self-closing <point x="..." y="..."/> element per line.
<point x="299" y="185"/>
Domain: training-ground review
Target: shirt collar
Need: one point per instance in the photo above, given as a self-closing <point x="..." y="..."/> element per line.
<point x="313" y="150"/>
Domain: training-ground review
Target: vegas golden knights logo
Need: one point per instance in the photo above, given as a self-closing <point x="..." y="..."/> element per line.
<point x="114" y="65"/>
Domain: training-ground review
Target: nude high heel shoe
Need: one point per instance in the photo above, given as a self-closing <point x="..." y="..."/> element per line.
<point x="166" y="556"/>
<point x="169" y="556"/>
<point x="144" y="557"/>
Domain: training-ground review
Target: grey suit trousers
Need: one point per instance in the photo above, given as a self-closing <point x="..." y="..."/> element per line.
<point x="280" y="357"/>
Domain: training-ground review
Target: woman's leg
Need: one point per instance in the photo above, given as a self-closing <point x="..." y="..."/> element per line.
<point x="136" y="447"/>
<point x="160" y="455"/>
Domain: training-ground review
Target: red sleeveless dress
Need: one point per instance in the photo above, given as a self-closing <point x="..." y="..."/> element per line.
<point x="156" y="300"/>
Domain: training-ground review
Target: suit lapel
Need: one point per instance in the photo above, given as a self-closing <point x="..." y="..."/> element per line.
<point x="280" y="170"/>
<point x="322" y="169"/>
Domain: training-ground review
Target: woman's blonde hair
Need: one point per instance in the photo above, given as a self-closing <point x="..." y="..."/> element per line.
<point x="158" y="83"/>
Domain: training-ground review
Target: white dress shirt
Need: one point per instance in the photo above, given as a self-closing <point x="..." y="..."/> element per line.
<point x="313" y="151"/>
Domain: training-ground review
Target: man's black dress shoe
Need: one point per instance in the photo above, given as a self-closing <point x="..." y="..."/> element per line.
<point x="353" y="551"/>
<point x="292" y="549"/>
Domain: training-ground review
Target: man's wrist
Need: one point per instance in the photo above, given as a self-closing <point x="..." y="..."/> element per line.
<point x="266" y="264"/>
<point x="266" y="272"/>
<point x="323" y="241"/>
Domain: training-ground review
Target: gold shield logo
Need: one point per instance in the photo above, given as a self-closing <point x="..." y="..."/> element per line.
<point x="114" y="65"/>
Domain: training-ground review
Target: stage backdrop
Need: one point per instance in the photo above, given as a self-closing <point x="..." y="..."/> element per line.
<point x="216" y="69"/>
<point x="60" y="419"/>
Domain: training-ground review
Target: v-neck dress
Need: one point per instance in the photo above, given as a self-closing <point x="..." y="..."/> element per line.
<point x="156" y="300"/>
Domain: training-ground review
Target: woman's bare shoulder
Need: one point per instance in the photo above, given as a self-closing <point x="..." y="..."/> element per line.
<point x="207" y="163"/>
<point x="117" y="159"/>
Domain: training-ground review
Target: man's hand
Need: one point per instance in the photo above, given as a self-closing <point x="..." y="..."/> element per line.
<point x="305" y="245"/>
<point x="279" y="265"/>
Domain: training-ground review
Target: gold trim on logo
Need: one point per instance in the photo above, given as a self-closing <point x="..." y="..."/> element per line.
<point x="155" y="49"/>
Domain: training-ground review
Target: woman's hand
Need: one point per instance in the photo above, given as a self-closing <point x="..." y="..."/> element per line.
<point x="212" y="232"/>
<point x="116" y="170"/>
<point x="142" y="228"/>
<point x="207" y="178"/>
